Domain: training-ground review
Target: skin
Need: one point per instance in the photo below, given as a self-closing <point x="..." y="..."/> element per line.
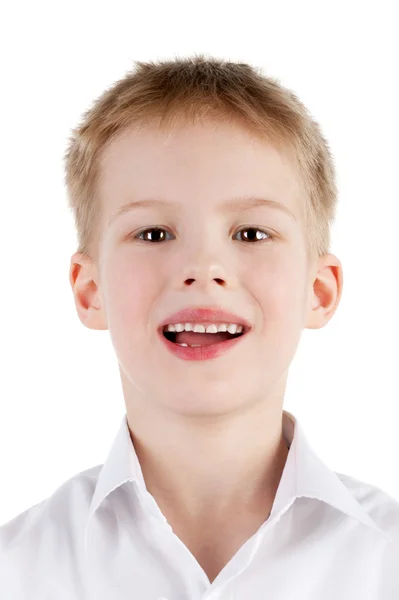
<point x="203" y="428"/>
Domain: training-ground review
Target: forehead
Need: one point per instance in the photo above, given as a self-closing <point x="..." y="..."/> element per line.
<point x="205" y="160"/>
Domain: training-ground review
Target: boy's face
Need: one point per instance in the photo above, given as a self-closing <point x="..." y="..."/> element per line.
<point x="202" y="260"/>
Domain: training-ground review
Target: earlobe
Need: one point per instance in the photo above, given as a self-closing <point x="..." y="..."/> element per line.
<point x="326" y="293"/>
<point x="86" y="293"/>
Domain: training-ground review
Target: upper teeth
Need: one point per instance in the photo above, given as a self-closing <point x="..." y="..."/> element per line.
<point x="198" y="328"/>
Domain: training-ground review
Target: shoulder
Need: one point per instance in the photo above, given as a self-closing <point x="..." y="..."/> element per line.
<point x="68" y="503"/>
<point x="46" y="536"/>
<point x="380" y="506"/>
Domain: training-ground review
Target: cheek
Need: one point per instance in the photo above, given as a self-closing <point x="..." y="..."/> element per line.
<point x="131" y="290"/>
<point x="279" y="292"/>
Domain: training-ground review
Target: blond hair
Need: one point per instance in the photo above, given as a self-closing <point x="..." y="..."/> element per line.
<point x="173" y="90"/>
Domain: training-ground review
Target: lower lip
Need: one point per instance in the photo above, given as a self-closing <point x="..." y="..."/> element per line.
<point x="201" y="352"/>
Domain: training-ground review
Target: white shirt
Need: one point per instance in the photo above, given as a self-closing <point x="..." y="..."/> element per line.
<point x="102" y="536"/>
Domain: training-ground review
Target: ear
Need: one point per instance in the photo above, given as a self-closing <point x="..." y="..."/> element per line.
<point x="83" y="277"/>
<point x="325" y="293"/>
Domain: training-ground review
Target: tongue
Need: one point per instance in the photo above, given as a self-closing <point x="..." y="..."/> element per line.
<point x="204" y="339"/>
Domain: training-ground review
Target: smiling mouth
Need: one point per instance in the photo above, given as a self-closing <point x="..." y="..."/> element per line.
<point x="204" y="339"/>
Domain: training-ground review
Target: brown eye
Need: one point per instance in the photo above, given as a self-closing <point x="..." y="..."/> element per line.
<point x="255" y="236"/>
<point x="154" y="237"/>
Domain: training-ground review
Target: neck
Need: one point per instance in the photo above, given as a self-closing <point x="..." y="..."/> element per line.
<point x="206" y="470"/>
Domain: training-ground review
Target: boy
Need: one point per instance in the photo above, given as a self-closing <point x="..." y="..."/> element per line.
<point x="203" y="194"/>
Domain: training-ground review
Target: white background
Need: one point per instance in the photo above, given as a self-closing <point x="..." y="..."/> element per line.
<point x="61" y="400"/>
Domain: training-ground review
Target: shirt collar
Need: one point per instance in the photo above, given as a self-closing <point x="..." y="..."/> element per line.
<point x="304" y="475"/>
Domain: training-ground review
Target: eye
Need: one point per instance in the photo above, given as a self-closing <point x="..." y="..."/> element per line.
<point x="256" y="237"/>
<point x="153" y="238"/>
<point x="159" y="230"/>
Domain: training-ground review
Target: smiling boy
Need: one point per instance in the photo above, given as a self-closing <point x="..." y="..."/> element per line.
<point x="203" y="194"/>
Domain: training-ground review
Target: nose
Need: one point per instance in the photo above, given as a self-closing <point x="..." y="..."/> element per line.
<point x="206" y="266"/>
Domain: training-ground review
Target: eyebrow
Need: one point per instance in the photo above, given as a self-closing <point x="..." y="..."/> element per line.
<point x="235" y="204"/>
